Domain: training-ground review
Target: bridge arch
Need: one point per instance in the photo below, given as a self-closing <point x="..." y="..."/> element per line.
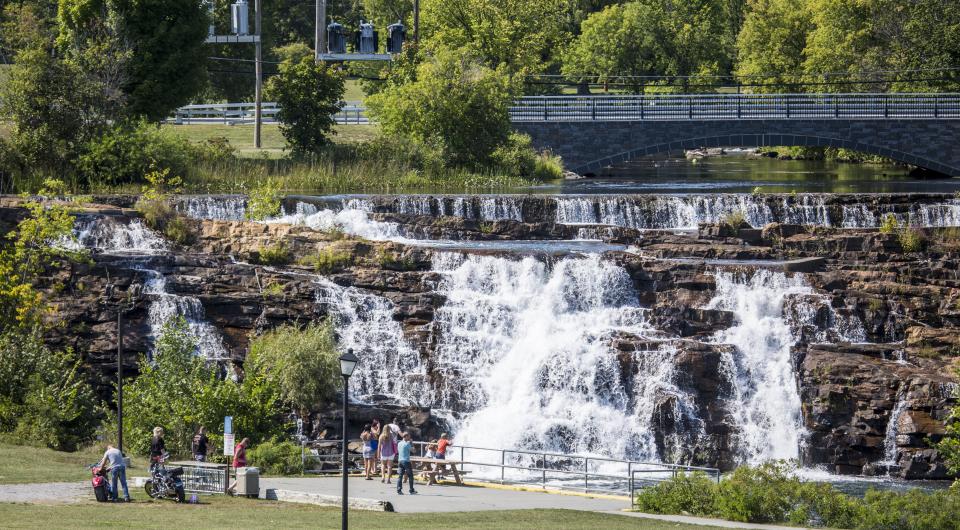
<point x="770" y="140"/>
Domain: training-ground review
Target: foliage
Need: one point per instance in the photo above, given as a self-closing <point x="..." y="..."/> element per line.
<point x="276" y="458"/>
<point x="126" y="152"/>
<point x="180" y="391"/>
<point x="158" y="214"/>
<point x="163" y="57"/>
<point x="757" y="494"/>
<point x="911" y="239"/>
<point x="735" y="219"/>
<point x="44" y="395"/>
<point x="520" y="37"/>
<point x="693" y="494"/>
<point x="889" y="224"/>
<point x="309" y="94"/>
<point x="650" y="37"/>
<point x="301" y="362"/>
<point x="264" y="200"/>
<point x="273" y="255"/>
<point x="328" y="260"/>
<point x="517" y="157"/>
<point x="455" y="103"/>
<point x="949" y="446"/>
<point x="771" y="45"/>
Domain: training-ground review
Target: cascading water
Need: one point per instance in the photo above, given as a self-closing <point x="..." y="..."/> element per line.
<point x="165" y="306"/>
<point x="110" y="235"/>
<point x="352" y="221"/>
<point x="890" y="452"/>
<point x="227" y="208"/>
<point x="765" y="406"/>
<point x="525" y="356"/>
<point x="391" y="366"/>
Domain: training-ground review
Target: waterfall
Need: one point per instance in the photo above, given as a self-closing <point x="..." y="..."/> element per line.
<point x="352" y="221"/>
<point x="500" y="209"/>
<point x="525" y="355"/>
<point x="166" y="306"/>
<point x="390" y="365"/>
<point x="858" y="216"/>
<point x="665" y="212"/>
<point x="222" y="208"/>
<point x="105" y="234"/>
<point x="765" y="406"/>
<point x="890" y="452"/>
<point x="935" y="215"/>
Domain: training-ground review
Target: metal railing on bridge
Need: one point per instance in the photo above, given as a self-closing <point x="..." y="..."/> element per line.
<point x="243" y="113"/>
<point x="548" y="470"/>
<point x="736" y="107"/>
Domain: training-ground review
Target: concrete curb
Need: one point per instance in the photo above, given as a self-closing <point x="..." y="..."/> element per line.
<point x="319" y="499"/>
<point x="704" y="521"/>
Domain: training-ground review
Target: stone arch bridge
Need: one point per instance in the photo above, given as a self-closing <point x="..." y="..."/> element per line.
<point x="592" y="132"/>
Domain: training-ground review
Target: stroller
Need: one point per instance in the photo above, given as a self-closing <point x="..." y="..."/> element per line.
<point x="101" y="486"/>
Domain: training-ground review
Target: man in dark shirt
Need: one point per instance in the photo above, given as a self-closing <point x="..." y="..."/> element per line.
<point x="200" y="445"/>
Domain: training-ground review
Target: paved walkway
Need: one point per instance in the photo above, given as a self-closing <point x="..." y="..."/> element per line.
<point x="46" y="493"/>
<point x="449" y="498"/>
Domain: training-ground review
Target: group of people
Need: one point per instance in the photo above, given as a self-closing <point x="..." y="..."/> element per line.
<point x="384" y="444"/>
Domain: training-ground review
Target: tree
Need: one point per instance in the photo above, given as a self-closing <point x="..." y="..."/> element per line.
<point x="453" y="102"/>
<point x="651" y="38"/>
<point x="301" y="362"/>
<point x="309" y="94"/>
<point x="521" y="36"/>
<point x="873" y="39"/>
<point x="771" y="45"/>
<point x="181" y="391"/>
<point x="165" y="39"/>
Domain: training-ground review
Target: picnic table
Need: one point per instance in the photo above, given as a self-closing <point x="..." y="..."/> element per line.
<point x="433" y="467"/>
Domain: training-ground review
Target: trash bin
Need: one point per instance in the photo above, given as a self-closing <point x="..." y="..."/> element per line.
<point x="248" y="481"/>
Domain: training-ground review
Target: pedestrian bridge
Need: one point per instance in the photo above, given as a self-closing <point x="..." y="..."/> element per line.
<point x="592" y="132"/>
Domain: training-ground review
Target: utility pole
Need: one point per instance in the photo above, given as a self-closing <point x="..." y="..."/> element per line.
<point x="120" y="378"/>
<point x="416" y="22"/>
<point x="258" y="91"/>
<point x="321" y="29"/>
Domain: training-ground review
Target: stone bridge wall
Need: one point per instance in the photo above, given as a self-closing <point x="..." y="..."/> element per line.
<point x="587" y="146"/>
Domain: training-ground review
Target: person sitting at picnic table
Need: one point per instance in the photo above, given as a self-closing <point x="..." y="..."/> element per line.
<point x="426" y="467"/>
<point x="113" y="462"/>
<point x="442" y="445"/>
<point x="404" y="448"/>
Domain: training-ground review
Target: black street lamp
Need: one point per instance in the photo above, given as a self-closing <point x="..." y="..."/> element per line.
<point x="348" y="362"/>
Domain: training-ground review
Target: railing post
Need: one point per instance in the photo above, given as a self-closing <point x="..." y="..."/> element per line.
<point x="593" y="109"/>
<point x="630" y="484"/>
<point x="303" y="458"/>
<point x="886" y="105"/>
<point x="836" y="107"/>
<point x="586" y="476"/>
<point x="690" y="107"/>
<point x="544" y="109"/>
<point x="503" y="462"/>
<point x="788" y="106"/>
<point x="643" y="103"/>
<point x="543" y="468"/>
<point x="936" y="106"/>
<point x="739" y="102"/>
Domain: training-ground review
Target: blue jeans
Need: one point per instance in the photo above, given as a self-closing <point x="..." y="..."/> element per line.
<point x="121" y="473"/>
<point x="406" y="469"/>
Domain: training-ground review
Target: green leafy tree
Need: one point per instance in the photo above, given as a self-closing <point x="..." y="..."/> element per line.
<point x="309" y="94"/>
<point x="301" y="362"/>
<point x="771" y="46"/>
<point x="264" y="200"/>
<point x="519" y="36"/>
<point x="162" y="47"/>
<point x="869" y="38"/>
<point x="181" y="391"/>
<point x="454" y="102"/>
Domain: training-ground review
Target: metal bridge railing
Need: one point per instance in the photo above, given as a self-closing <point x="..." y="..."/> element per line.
<point x="243" y="113"/>
<point x="586" y="473"/>
<point x="204" y="477"/>
<point x="736" y="107"/>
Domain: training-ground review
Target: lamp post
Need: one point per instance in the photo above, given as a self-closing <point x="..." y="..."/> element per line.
<point x="348" y="362"/>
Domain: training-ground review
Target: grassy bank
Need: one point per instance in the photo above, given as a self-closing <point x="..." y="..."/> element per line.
<point x="271" y="141"/>
<point x="220" y="512"/>
<point x="20" y="464"/>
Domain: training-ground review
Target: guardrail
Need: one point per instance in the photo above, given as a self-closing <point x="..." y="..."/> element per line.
<point x="244" y="113"/>
<point x="204" y="477"/>
<point x="736" y="107"/>
<point x="652" y="107"/>
<point x="586" y="473"/>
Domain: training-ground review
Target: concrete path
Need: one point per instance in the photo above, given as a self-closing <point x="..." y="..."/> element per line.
<point x="46" y="493"/>
<point x="450" y="498"/>
<point x="443" y="498"/>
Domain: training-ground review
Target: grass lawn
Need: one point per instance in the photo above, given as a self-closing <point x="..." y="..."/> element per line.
<point x="241" y="136"/>
<point x="21" y="464"/>
<point x="221" y="512"/>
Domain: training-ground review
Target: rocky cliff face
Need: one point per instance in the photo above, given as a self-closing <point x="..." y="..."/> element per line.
<point x="908" y="304"/>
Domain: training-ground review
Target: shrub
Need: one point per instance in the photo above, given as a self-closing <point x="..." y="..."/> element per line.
<point x="889" y="224"/>
<point x="273" y="255"/>
<point x="276" y="458"/>
<point x="125" y="153"/>
<point x="734" y="219"/>
<point x="757" y="494"/>
<point x="264" y="200"/>
<point x="694" y="494"/>
<point x="912" y="239"/>
<point x="328" y="260"/>
<point x="300" y="362"/>
<point x="309" y="94"/>
<point x="158" y="214"/>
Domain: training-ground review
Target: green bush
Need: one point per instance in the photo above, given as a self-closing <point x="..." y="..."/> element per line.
<point x="264" y="200"/>
<point x="125" y="153"/>
<point x="300" y="362"/>
<point x="328" y="261"/>
<point x="694" y="494"/>
<point x="889" y="224"/>
<point x="276" y="458"/>
<point x="758" y="494"/>
<point x="309" y="94"/>
<point x="274" y="255"/>
<point x="912" y="239"/>
<point x="734" y="219"/>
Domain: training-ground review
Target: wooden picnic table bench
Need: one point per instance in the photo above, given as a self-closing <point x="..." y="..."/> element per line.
<point x="433" y="467"/>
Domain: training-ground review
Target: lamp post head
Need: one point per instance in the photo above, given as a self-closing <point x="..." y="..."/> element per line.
<point x="348" y="362"/>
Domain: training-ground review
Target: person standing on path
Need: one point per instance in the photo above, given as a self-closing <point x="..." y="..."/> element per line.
<point x="404" y="449"/>
<point x="113" y="460"/>
<point x="368" y="452"/>
<point x="442" y="445"/>
<point x="375" y="441"/>
<point x="239" y="460"/>
<point x="200" y="442"/>
<point x="395" y="432"/>
<point x="157" y="448"/>
<point x="385" y="449"/>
